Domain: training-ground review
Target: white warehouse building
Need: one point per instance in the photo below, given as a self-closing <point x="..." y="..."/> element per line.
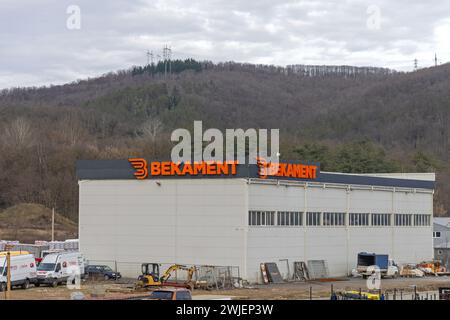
<point x="243" y="220"/>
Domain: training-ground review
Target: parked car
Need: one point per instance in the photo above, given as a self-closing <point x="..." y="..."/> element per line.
<point x="171" y="294"/>
<point x="100" y="271"/>
<point x="23" y="270"/>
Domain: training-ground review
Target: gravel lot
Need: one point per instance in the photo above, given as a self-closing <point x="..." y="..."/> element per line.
<point x="293" y="290"/>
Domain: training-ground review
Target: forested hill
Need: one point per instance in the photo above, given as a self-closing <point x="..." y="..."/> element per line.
<point x="349" y="119"/>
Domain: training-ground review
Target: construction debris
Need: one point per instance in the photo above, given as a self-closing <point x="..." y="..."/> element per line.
<point x="411" y="270"/>
<point x="432" y="268"/>
<point x="300" y="271"/>
<point x="273" y="273"/>
<point x="317" y="269"/>
<point x="444" y="293"/>
<point x="288" y="274"/>
<point x="264" y="273"/>
<point x="216" y="278"/>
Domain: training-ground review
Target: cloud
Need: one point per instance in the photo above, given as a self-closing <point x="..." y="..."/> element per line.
<point x="37" y="48"/>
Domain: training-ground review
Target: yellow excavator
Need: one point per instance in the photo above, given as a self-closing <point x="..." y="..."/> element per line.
<point x="150" y="276"/>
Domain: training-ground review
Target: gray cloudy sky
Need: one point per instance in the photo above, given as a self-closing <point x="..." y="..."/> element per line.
<point x="37" y="47"/>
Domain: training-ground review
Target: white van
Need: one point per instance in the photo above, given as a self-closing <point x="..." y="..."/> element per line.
<point x="57" y="267"/>
<point x="23" y="271"/>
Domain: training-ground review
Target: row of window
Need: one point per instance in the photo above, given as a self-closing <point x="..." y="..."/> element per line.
<point x="295" y="218"/>
<point x="289" y="218"/>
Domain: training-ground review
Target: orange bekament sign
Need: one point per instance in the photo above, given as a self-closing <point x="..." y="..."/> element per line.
<point x="227" y="168"/>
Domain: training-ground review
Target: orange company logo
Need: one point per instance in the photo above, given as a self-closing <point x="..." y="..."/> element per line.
<point x="168" y="168"/>
<point x="140" y="165"/>
<point x="288" y="170"/>
<point x="227" y="168"/>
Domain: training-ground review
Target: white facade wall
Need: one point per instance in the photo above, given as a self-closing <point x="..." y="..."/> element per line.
<point x="338" y="245"/>
<point x="205" y="222"/>
<point x="187" y="221"/>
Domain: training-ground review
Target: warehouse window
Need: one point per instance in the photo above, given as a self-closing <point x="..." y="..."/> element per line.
<point x="422" y="220"/>
<point x="289" y="218"/>
<point x="381" y="219"/>
<point x="313" y="218"/>
<point x="359" y="219"/>
<point x="403" y="219"/>
<point x="261" y="218"/>
<point x="333" y="219"/>
<point x="436" y="234"/>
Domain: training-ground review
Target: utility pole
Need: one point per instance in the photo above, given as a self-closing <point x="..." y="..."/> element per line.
<point x="8" y="272"/>
<point x="53" y="224"/>
<point x="435" y="60"/>
<point x="416" y="62"/>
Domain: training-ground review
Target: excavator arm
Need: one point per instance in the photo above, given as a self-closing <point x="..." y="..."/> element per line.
<point x="168" y="273"/>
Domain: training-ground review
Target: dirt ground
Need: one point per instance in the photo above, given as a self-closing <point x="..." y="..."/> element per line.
<point x="293" y="290"/>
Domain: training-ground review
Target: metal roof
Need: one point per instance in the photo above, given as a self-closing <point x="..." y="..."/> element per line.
<point x="443" y="221"/>
<point x="122" y="169"/>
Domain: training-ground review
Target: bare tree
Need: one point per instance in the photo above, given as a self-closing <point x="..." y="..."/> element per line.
<point x="18" y="134"/>
<point x="72" y="130"/>
<point x="151" y="129"/>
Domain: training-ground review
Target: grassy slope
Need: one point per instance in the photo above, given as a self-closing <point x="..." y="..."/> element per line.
<point x="30" y="222"/>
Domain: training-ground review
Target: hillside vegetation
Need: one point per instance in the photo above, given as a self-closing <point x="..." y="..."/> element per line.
<point x="29" y="222"/>
<point x="380" y="122"/>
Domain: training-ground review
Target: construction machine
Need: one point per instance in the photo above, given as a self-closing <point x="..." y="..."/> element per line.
<point x="150" y="276"/>
<point x="432" y="267"/>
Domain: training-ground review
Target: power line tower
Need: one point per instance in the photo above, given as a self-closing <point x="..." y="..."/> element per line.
<point x="416" y="64"/>
<point x="167" y="57"/>
<point x="435" y="60"/>
<point x="170" y="59"/>
<point x="149" y="57"/>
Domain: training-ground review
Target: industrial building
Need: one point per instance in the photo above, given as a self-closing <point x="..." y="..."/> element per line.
<point x="441" y="239"/>
<point x="240" y="219"/>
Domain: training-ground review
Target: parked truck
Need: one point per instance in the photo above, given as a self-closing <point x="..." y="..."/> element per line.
<point x="387" y="267"/>
<point x="23" y="270"/>
<point x="58" y="267"/>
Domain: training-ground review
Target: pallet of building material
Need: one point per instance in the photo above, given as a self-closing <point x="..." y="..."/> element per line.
<point x="318" y="269"/>
<point x="273" y="273"/>
<point x="265" y="278"/>
<point x="300" y="271"/>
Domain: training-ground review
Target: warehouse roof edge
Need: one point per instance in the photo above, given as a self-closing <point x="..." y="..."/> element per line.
<point x="123" y="170"/>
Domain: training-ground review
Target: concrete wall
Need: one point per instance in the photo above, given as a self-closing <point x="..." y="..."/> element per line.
<point x="338" y="245"/>
<point x="179" y="221"/>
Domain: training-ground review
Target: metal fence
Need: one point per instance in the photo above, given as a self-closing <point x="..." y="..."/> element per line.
<point x="204" y="276"/>
<point x="390" y="294"/>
